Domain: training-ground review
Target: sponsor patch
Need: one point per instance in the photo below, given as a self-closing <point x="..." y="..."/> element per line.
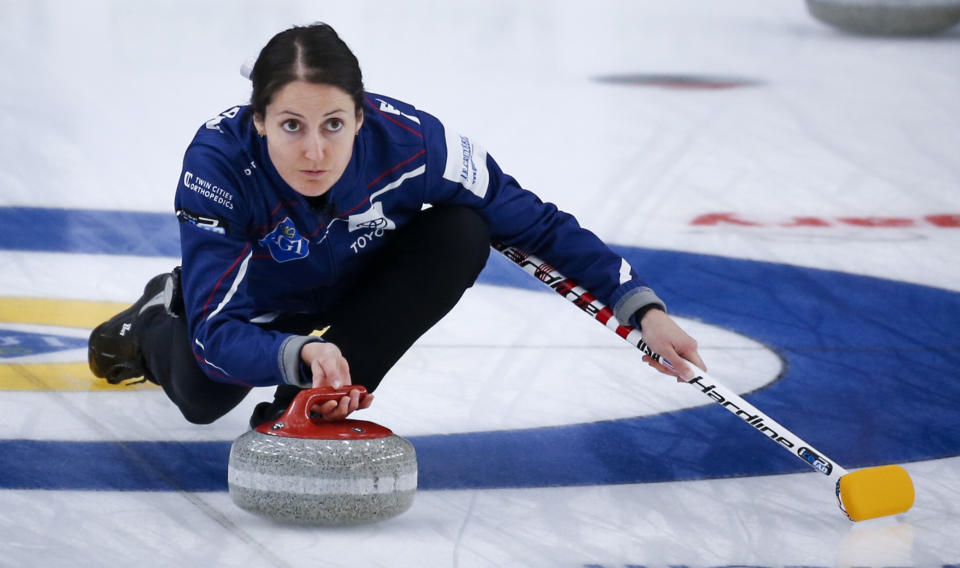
<point x="212" y="224"/>
<point x="815" y="460"/>
<point x="372" y="225"/>
<point x="466" y="164"/>
<point x="207" y="189"/>
<point x="285" y="243"/>
<point x="371" y="220"/>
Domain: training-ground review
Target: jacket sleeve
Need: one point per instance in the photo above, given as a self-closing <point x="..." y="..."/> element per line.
<point x="216" y="252"/>
<point x="460" y="171"/>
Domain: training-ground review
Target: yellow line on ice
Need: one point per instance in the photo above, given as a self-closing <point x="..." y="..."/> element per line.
<point x="57" y="376"/>
<point x="67" y="313"/>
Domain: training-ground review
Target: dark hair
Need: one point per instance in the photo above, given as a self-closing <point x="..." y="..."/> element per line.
<point x="314" y="54"/>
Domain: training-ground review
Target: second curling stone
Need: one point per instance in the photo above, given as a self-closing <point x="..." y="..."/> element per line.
<point x="303" y="471"/>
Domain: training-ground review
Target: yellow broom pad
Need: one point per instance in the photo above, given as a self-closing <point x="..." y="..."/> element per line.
<point x="875" y="492"/>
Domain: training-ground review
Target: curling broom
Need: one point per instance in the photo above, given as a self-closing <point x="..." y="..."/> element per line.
<point x="864" y="494"/>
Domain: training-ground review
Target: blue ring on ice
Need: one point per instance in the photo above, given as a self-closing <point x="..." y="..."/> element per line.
<point x="868" y="380"/>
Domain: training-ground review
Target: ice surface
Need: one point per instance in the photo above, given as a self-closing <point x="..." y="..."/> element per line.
<point x="830" y="135"/>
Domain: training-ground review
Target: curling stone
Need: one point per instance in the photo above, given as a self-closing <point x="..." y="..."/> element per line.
<point x="887" y="17"/>
<point x="305" y="471"/>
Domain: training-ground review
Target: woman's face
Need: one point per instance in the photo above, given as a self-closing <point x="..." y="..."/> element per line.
<point x="310" y="130"/>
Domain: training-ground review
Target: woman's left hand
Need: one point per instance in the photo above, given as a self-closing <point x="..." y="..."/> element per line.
<point x="665" y="337"/>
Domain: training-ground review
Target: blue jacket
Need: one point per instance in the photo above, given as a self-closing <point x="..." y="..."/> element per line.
<point x="252" y="247"/>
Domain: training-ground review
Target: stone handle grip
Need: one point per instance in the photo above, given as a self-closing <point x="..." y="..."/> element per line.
<point x="298" y="415"/>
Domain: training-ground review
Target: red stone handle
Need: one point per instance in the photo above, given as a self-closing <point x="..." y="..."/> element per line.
<point x="297" y="417"/>
<point x="296" y="421"/>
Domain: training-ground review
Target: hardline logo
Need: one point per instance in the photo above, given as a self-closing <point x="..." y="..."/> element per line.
<point x="755" y="420"/>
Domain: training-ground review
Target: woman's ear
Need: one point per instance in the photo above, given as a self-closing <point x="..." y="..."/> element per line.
<point x="258" y="124"/>
<point x="359" y="121"/>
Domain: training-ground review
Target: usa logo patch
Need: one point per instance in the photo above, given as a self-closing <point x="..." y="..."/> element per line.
<point x="285" y="243"/>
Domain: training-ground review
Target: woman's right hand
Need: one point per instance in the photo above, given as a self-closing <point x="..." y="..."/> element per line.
<point x="665" y="337"/>
<point x="330" y="369"/>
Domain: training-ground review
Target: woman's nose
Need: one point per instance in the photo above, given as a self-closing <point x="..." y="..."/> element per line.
<point x="314" y="148"/>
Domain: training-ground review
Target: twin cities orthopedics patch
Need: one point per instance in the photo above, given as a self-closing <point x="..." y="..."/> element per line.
<point x="285" y="243"/>
<point x="208" y="190"/>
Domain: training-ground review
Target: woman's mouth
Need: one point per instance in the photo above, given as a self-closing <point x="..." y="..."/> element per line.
<point x="313" y="173"/>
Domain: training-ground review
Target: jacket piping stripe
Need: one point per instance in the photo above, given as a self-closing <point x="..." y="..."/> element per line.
<point x="396" y="167"/>
<point x="411" y="174"/>
<point x="225" y="378"/>
<point x="233" y="287"/>
<point x="219" y="282"/>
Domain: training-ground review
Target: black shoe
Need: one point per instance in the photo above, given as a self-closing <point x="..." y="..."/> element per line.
<point x="271" y="411"/>
<point x="113" y="351"/>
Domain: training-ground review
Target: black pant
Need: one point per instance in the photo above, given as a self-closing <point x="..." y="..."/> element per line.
<point x="418" y="276"/>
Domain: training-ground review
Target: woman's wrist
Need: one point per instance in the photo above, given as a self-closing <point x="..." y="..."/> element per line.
<point x="644" y="312"/>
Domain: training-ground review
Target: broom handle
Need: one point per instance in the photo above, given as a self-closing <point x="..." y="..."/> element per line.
<point x="705" y="384"/>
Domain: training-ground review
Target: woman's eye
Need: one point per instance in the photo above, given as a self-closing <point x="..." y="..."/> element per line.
<point x="334" y="124"/>
<point x="290" y="125"/>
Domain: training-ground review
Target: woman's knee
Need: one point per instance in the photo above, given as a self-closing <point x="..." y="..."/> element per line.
<point x="202" y="415"/>
<point x="204" y="401"/>
<point x="457" y="236"/>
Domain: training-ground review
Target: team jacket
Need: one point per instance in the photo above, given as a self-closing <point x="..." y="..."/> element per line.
<point x="252" y="247"/>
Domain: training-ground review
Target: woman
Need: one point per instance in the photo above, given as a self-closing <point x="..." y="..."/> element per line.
<point x="305" y="210"/>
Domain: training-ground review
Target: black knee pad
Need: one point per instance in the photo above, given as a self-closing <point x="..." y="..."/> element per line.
<point x="457" y="235"/>
<point x="202" y="415"/>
